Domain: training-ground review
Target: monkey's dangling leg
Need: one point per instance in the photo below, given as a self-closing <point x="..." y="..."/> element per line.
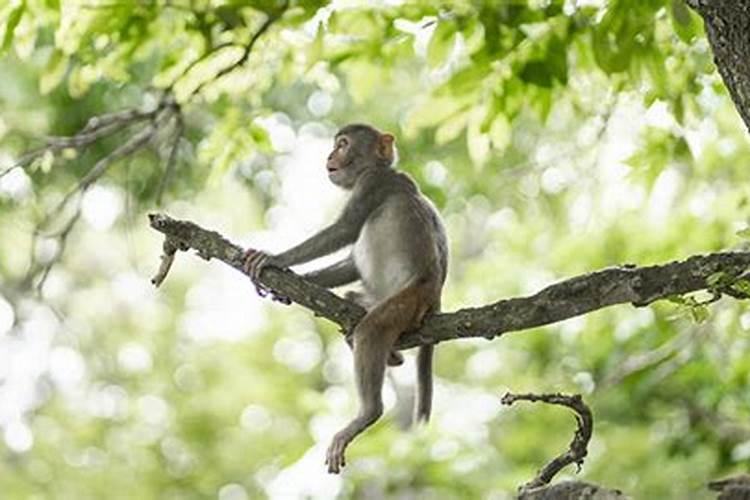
<point x="371" y="350"/>
<point x="395" y="358"/>
<point x="373" y="341"/>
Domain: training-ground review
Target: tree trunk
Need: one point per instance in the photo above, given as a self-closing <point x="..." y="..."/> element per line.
<point x="728" y="30"/>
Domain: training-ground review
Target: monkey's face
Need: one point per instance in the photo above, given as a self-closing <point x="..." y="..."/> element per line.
<point x="342" y="170"/>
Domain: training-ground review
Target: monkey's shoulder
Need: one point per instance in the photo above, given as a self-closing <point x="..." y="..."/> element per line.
<point x="397" y="182"/>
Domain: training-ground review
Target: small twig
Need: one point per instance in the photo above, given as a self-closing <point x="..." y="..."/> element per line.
<point x="169" y="249"/>
<point x="62" y="238"/>
<point x="135" y="143"/>
<point x="96" y="128"/>
<point x="577" y="449"/>
<point x="35" y="268"/>
<point x="119" y="117"/>
<point x="248" y="48"/>
<point x="171" y="159"/>
<point x="9" y="170"/>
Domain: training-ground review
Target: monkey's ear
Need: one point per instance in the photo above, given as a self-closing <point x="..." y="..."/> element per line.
<point x="384" y="148"/>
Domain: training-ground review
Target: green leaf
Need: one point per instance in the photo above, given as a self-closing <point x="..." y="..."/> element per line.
<point x="230" y="16"/>
<point x="677" y="299"/>
<point x="557" y="59"/>
<point x="315" y="50"/>
<point x="433" y="111"/>
<point x="54" y="72"/>
<point x="542" y="102"/>
<point x="613" y="39"/>
<point x="699" y="313"/>
<point x="362" y="77"/>
<point x="537" y="73"/>
<point x="13" y="19"/>
<point x="653" y="61"/>
<point x="441" y="43"/>
<point x="477" y="143"/>
<point x="683" y="22"/>
<point x="716" y="279"/>
<point x="451" y="128"/>
<point x="260" y="137"/>
<point x="500" y="132"/>
<point x="744" y="233"/>
<point x="742" y="286"/>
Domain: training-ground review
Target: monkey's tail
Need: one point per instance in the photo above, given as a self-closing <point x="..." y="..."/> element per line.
<point x="423" y="406"/>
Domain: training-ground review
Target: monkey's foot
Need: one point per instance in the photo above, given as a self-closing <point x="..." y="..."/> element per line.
<point x="395" y="358"/>
<point x="335" y="459"/>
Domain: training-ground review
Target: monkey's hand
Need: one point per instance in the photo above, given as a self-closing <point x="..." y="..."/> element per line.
<point x="255" y="262"/>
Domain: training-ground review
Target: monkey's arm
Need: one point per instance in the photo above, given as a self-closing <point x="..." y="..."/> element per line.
<point x="366" y="198"/>
<point x="338" y="274"/>
<point x="336" y="236"/>
<point x="343" y="232"/>
<point x="368" y="195"/>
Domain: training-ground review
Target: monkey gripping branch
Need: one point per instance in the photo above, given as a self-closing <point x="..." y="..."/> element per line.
<point x="721" y="273"/>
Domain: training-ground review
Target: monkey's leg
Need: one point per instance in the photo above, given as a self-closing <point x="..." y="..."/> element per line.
<point x="370" y="356"/>
<point x="395" y="358"/>
<point x="373" y="340"/>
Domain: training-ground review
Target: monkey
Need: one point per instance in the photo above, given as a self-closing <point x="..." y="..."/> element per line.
<point x="400" y="256"/>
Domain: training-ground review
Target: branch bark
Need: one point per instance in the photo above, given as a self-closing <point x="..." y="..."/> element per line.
<point x="572" y="297"/>
<point x="728" y="30"/>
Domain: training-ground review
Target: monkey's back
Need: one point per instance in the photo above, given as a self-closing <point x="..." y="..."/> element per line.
<point x="402" y="241"/>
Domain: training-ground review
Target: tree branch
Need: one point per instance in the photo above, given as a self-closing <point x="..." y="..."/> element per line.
<point x="569" y="298"/>
<point x="578" y="447"/>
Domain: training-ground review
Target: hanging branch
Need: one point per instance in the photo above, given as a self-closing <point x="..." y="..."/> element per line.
<point x="721" y="273"/>
<point x="578" y="447"/>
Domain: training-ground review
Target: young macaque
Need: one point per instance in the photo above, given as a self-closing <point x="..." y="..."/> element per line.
<point x="399" y="254"/>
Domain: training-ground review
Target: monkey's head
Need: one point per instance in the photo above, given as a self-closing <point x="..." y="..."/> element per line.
<point x="356" y="148"/>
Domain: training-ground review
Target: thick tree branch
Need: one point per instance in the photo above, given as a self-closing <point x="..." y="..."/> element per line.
<point x="728" y="30"/>
<point x="572" y="297"/>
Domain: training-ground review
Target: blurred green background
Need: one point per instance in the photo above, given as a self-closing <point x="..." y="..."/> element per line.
<point x="555" y="137"/>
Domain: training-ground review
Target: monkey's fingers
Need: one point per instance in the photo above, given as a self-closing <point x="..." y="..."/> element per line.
<point x="280" y="298"/>
<point x="335" y="455"/>
<point x="254" y="263"/>
<point x="248" y="259"/>
<point x="260" y="263"/>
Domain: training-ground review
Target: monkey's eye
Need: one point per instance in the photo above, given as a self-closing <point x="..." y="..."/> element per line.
<point x="342" y="143"/>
